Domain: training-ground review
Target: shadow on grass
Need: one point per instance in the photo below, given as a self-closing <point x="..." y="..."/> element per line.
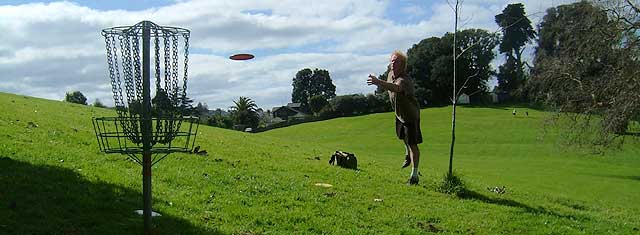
<point x="624" y="177"/>
<point x="42" y="199"/>
<point x="471" y="195"/>
<point x="507" y="106"/>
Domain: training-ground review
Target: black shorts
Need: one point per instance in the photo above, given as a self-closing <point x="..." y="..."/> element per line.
<point x="410" y="132"/>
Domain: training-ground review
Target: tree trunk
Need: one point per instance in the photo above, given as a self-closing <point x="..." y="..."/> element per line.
<point x="455" y="95"/>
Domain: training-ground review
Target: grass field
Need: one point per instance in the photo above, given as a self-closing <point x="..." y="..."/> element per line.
<point x="53" y="179"/>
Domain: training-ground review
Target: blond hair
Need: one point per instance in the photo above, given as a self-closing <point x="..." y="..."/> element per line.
<point x="402" y="62"/>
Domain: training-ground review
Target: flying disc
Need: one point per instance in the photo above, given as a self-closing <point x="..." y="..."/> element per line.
<point x="241" y="57"/>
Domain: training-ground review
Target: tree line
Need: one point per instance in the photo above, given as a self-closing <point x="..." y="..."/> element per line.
<point x="585" y="62"/>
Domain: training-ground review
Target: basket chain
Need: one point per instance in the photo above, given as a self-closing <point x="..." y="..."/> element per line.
<point x="171" y="98"/>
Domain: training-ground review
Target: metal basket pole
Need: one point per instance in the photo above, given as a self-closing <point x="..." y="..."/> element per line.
<point x="136" y="114"/>
<point x="146" y="126"/>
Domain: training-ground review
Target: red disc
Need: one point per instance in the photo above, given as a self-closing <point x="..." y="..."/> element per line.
<point x="241" y="57"/>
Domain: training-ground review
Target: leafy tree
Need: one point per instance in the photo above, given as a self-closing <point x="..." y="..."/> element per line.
<point x="349" y="105"/>
<point x="201" y="109"/>
<point x="218" y="120"/>
<point x="244" y="112"/>
<point x="98" y="104"/>
<point x="308" y="83"/>
<point x="186" y="106"/>
<point x="75" y="97"/>
<point x="317" y="102"/>
<point x="510" y="76"/>
<point x="160" y="104"/>
<point x="430" y="64"/>
<point x="381" y="93"/>
<point x="586" y="65"/>
<point x="377" y="103"/>
<point x="419" y="65"/>
<point x="516" y="32"/>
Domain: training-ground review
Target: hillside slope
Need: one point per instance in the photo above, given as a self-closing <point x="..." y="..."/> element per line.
<point x="55" y="181"/>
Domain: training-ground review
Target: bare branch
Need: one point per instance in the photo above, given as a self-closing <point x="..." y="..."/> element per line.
<point x="466" y="81"/>
<point x="570" y="77"/>
<point x="475" y="92"/>
<point x="451" y="6"/>
<point x="465" y="22"/>
<point x="635" y="8"/>
<point x="496" y="31"/>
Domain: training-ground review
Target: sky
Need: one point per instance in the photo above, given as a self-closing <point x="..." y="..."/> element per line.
<point x="48" y="48"/>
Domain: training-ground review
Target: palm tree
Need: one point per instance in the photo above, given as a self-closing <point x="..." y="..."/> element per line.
<point x="244" y="112"/>
<point x="244" y="104"/>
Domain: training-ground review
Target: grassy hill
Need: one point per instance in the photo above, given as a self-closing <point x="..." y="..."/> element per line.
<point x="53" y="179"/>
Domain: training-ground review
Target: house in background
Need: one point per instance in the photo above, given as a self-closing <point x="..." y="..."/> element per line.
<point x="494" y="97"/>
<point x="464" y="99"/>
<point x="290" y="111"/>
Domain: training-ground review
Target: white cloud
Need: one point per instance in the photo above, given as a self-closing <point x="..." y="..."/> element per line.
<point x="223" y="80"/>
<point x="48" y="49"/>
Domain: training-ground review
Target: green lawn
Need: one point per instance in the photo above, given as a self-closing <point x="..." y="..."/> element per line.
<point x="53" y="179"/>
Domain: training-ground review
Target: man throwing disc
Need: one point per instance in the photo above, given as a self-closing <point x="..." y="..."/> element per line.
<point x="403" y="100"/>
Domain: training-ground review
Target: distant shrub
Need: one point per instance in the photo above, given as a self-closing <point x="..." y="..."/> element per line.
<point x="75" y="97"/>
<point x="327" y="112"/>
<point x="378" y="103"/>
<point x="349" y="105"/>
<point x="220" y="121"/>
<point x="99" y="104"/>
<point x="316" y="103"/>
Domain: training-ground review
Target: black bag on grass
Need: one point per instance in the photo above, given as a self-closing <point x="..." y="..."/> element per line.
<point x="344" y="159"/>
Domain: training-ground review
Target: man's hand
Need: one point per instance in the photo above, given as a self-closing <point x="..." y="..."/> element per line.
<point x="389" y="86"/>
<point x="373" y="80"/>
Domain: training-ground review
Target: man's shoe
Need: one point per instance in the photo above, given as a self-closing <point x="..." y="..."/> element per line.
<point x="413" y="181"/>
<point x="407" y="162"/>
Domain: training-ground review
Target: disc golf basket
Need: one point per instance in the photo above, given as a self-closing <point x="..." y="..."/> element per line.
<point x="148" y="127"/>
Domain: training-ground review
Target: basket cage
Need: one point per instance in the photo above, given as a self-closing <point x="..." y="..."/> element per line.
<point x="173" y="128"/>
<point x="112" y="139"/>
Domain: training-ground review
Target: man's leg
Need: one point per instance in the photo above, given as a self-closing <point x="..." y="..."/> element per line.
<point x="407" y="158"/>
<point x="415" y="158"/>
<point x="414" y="154"/>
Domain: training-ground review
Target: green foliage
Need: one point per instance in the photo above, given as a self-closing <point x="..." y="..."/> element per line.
<point x="160" y="105"/>
<point x="327" y="112"/>
<point x="185" y="106"/>
<point x="308" y="83"/>
<point x="265" y="182"/>
<point x="378" y="103"/>
<point x="221" y="121"/>
<point x="317" y="103"/>
<point x="98" y="104"/>
<point x="354" y="104"/>
<point x="349" y="105"/>
<point x="382" y="94"/>
<point x="75" y="97"/>
<point x="244" y="112"/>
<point x="430" y="64"/>
<point x="511" y="76"/>
<point x="201" y="109"/>
<point x="585" y="64"/>
<point x="516" y="29"/>
<point x="516" y="32"/>
<point x="163" y="106"/>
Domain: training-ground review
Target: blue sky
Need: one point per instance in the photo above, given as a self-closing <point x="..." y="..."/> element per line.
<point x="50" y="47"/>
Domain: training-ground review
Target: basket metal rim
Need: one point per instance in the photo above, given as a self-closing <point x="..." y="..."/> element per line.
<point x="136" y="30"/>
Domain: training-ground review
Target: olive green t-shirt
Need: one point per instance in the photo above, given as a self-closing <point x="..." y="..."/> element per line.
<point x="404" y="103"/>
